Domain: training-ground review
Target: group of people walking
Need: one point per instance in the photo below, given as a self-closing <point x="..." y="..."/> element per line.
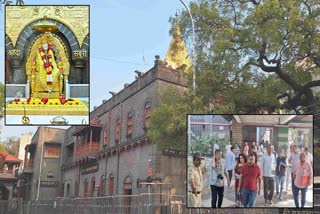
<point x="274" y="170"/>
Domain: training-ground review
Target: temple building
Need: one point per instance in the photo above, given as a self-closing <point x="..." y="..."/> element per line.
<point x="112" y="156"/>
<point x="47" y="65"/>
<point x="9" y="165"/>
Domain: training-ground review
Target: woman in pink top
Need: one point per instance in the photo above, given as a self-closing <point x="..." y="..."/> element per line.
<point x="302" y="174"/>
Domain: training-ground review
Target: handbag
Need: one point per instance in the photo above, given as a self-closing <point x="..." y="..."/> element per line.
<point x="305" y="180"/>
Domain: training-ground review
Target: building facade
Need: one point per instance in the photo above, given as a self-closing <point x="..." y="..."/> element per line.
<point x="114" y="156"/>
<point x="42" y="165"/>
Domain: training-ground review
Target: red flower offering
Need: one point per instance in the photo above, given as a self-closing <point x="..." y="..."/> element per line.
<point x="44" y="100"/>
<point x="63" y="100"/>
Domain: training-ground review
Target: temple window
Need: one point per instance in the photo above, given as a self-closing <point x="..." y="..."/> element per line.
<point x="51" y="151"/>
<point x="118" y="128"/>
<point x="147" y="114"/>
<point x="129" y="124"/>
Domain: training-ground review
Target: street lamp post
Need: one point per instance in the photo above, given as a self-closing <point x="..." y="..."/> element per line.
<point x="193" y="50"/>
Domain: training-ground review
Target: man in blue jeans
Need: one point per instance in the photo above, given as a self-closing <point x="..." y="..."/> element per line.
<point x="280" y="172"/>
<point x="249" y="177"/>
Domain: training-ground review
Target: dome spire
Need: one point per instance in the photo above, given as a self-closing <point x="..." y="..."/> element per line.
<point x="177" y="54"/>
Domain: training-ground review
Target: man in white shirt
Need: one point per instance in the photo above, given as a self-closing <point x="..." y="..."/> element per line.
<point x="268" y="170"/>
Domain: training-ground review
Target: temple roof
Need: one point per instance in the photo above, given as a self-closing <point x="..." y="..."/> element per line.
<point x="177" y="54"/>
<point x="9" y="158"/>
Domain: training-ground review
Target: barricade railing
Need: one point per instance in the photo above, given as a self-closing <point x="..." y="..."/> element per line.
<point x="145" y="203"/>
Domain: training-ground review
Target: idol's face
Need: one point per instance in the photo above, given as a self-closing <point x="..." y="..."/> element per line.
<point x="45" y="46"/>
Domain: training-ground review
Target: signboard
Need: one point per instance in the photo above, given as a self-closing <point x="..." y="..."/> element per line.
<point x="90" y="169"/>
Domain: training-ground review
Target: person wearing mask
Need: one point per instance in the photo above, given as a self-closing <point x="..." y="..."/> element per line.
<point x="242" y="160"/>
<point x="249" y="178"/>
<point x="302" y="174"/>
<point x="218" y="169"/>
<point x="268" y="166"/>
<point x="280" y="172"/>
<point x="195" y="182"/>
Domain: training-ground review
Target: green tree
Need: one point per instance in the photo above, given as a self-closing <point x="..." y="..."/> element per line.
<point x="255" y="52"/>
<point x="12" y="146"/>
<point x="3" y="148"/>
<point x="168" y="120"/>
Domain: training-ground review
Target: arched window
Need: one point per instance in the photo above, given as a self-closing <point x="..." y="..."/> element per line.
<point x="118" y="128"/>
<point x="127" y="186"/>
<point x="102" y="186"/>
<point x="129" y="124"/>
<point x="68" y="191"/>
<point x="85" y="188"/>
<point x="106" y="136"/>
<point x="147" y="114"/>
<point x="93" y="184"/>
<point x="127" y="190"/>
<point x="111" y="184"/>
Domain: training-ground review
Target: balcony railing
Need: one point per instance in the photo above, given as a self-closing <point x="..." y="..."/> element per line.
<point x="86" y="149"/>
<point x="7" y="173"/>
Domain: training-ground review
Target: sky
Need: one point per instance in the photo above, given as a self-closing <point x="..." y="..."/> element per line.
<point x="121" y="33"/>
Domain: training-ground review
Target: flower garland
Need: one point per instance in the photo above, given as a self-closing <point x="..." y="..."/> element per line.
<point x="47" y="62"/>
